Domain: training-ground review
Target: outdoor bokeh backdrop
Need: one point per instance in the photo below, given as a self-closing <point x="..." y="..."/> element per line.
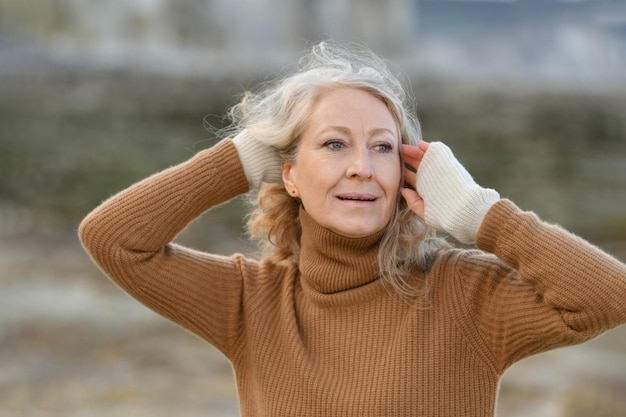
<point x="95" y="95"/>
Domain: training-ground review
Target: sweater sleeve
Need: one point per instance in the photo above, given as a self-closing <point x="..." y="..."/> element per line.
<point x="548" y="288"/>
<point x="129" y="236"/>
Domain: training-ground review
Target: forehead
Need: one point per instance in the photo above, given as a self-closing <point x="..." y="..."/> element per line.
<point x="349" y="109"/>
<point x="350" y="105"/>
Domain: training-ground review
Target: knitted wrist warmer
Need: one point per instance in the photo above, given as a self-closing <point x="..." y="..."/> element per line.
<point x="261" y="162"/>
<point x="453" y="202"/>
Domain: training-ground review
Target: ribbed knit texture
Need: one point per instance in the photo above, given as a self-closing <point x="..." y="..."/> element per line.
<point x="261" y="162"/>
<point x="454" y="203"/>
<point x="324" y="338"/>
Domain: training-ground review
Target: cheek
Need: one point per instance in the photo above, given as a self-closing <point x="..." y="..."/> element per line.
<point x="313" y="186"/>
<point x="391" y="177"/>
<point x="306" y="181"/>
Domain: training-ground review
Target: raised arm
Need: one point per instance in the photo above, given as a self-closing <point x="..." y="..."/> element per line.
<point x="553" y="288"/>
<point x="544" y="288"/>
<point x="129" y="236"/>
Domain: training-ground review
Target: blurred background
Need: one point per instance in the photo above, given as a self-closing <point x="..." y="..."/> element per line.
<point x="95" y="95"/>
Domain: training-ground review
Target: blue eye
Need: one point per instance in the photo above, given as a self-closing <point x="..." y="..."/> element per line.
<point x="383" y="148"/>
<point x="334" y="145"/>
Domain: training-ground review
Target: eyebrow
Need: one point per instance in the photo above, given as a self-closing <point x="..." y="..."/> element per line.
<point x="346" y="130"/>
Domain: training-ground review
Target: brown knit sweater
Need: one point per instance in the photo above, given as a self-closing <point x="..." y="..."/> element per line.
<point x="325" y="338"/>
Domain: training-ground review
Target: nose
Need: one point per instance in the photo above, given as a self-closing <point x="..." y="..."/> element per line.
<point x="360" y="166"/>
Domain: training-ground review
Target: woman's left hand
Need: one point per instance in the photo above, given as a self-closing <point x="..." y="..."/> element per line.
<point x="443" y="193"/>
<point x="412" y="156"/>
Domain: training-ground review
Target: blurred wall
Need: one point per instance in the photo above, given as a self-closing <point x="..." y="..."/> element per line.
<point x="558" y="40"/>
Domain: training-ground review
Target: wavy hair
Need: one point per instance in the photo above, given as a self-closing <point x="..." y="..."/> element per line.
<point x="277" y="115"/>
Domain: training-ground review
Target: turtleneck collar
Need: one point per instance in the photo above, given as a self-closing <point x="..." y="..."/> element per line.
<point x="332" y="263"/>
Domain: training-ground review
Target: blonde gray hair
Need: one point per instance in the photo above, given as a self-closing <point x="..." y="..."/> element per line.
<point x="277" y="115"/>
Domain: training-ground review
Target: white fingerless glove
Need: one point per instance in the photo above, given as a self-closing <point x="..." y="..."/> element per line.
<point x="261" y="162"/>
<point x="453" y="202"/>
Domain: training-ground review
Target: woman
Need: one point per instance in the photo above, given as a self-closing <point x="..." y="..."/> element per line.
<point x="355" y="308"/>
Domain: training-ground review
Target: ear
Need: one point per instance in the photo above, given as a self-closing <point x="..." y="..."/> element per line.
<point x="288" y="179"/>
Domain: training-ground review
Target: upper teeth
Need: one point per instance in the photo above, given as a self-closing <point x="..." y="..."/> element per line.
<point x="356" y="198"/>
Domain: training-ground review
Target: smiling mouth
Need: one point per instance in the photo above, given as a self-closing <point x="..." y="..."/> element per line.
<point x="350" y="198"/>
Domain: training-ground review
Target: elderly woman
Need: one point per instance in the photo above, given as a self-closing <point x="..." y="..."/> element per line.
<point x="354" y="308"/>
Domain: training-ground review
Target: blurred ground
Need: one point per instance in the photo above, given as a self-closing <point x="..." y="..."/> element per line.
<point x="74" y="345"/>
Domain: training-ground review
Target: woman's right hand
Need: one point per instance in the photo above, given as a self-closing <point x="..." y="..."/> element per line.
<point x="412" y="156"/>
<point x="261" y="162"/>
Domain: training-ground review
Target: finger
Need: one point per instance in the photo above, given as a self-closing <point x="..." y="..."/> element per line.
<point x="421" y="147"/>
<point x="414" y="201"/>
<point x="411" y="155"/>
<point x="414" y="154"/>
<point x="409" y="178"/>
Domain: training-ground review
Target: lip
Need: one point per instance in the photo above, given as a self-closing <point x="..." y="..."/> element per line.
<point x="357" y="199"/>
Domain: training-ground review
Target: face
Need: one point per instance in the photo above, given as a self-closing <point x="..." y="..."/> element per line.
<point x="347" y="167"/>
